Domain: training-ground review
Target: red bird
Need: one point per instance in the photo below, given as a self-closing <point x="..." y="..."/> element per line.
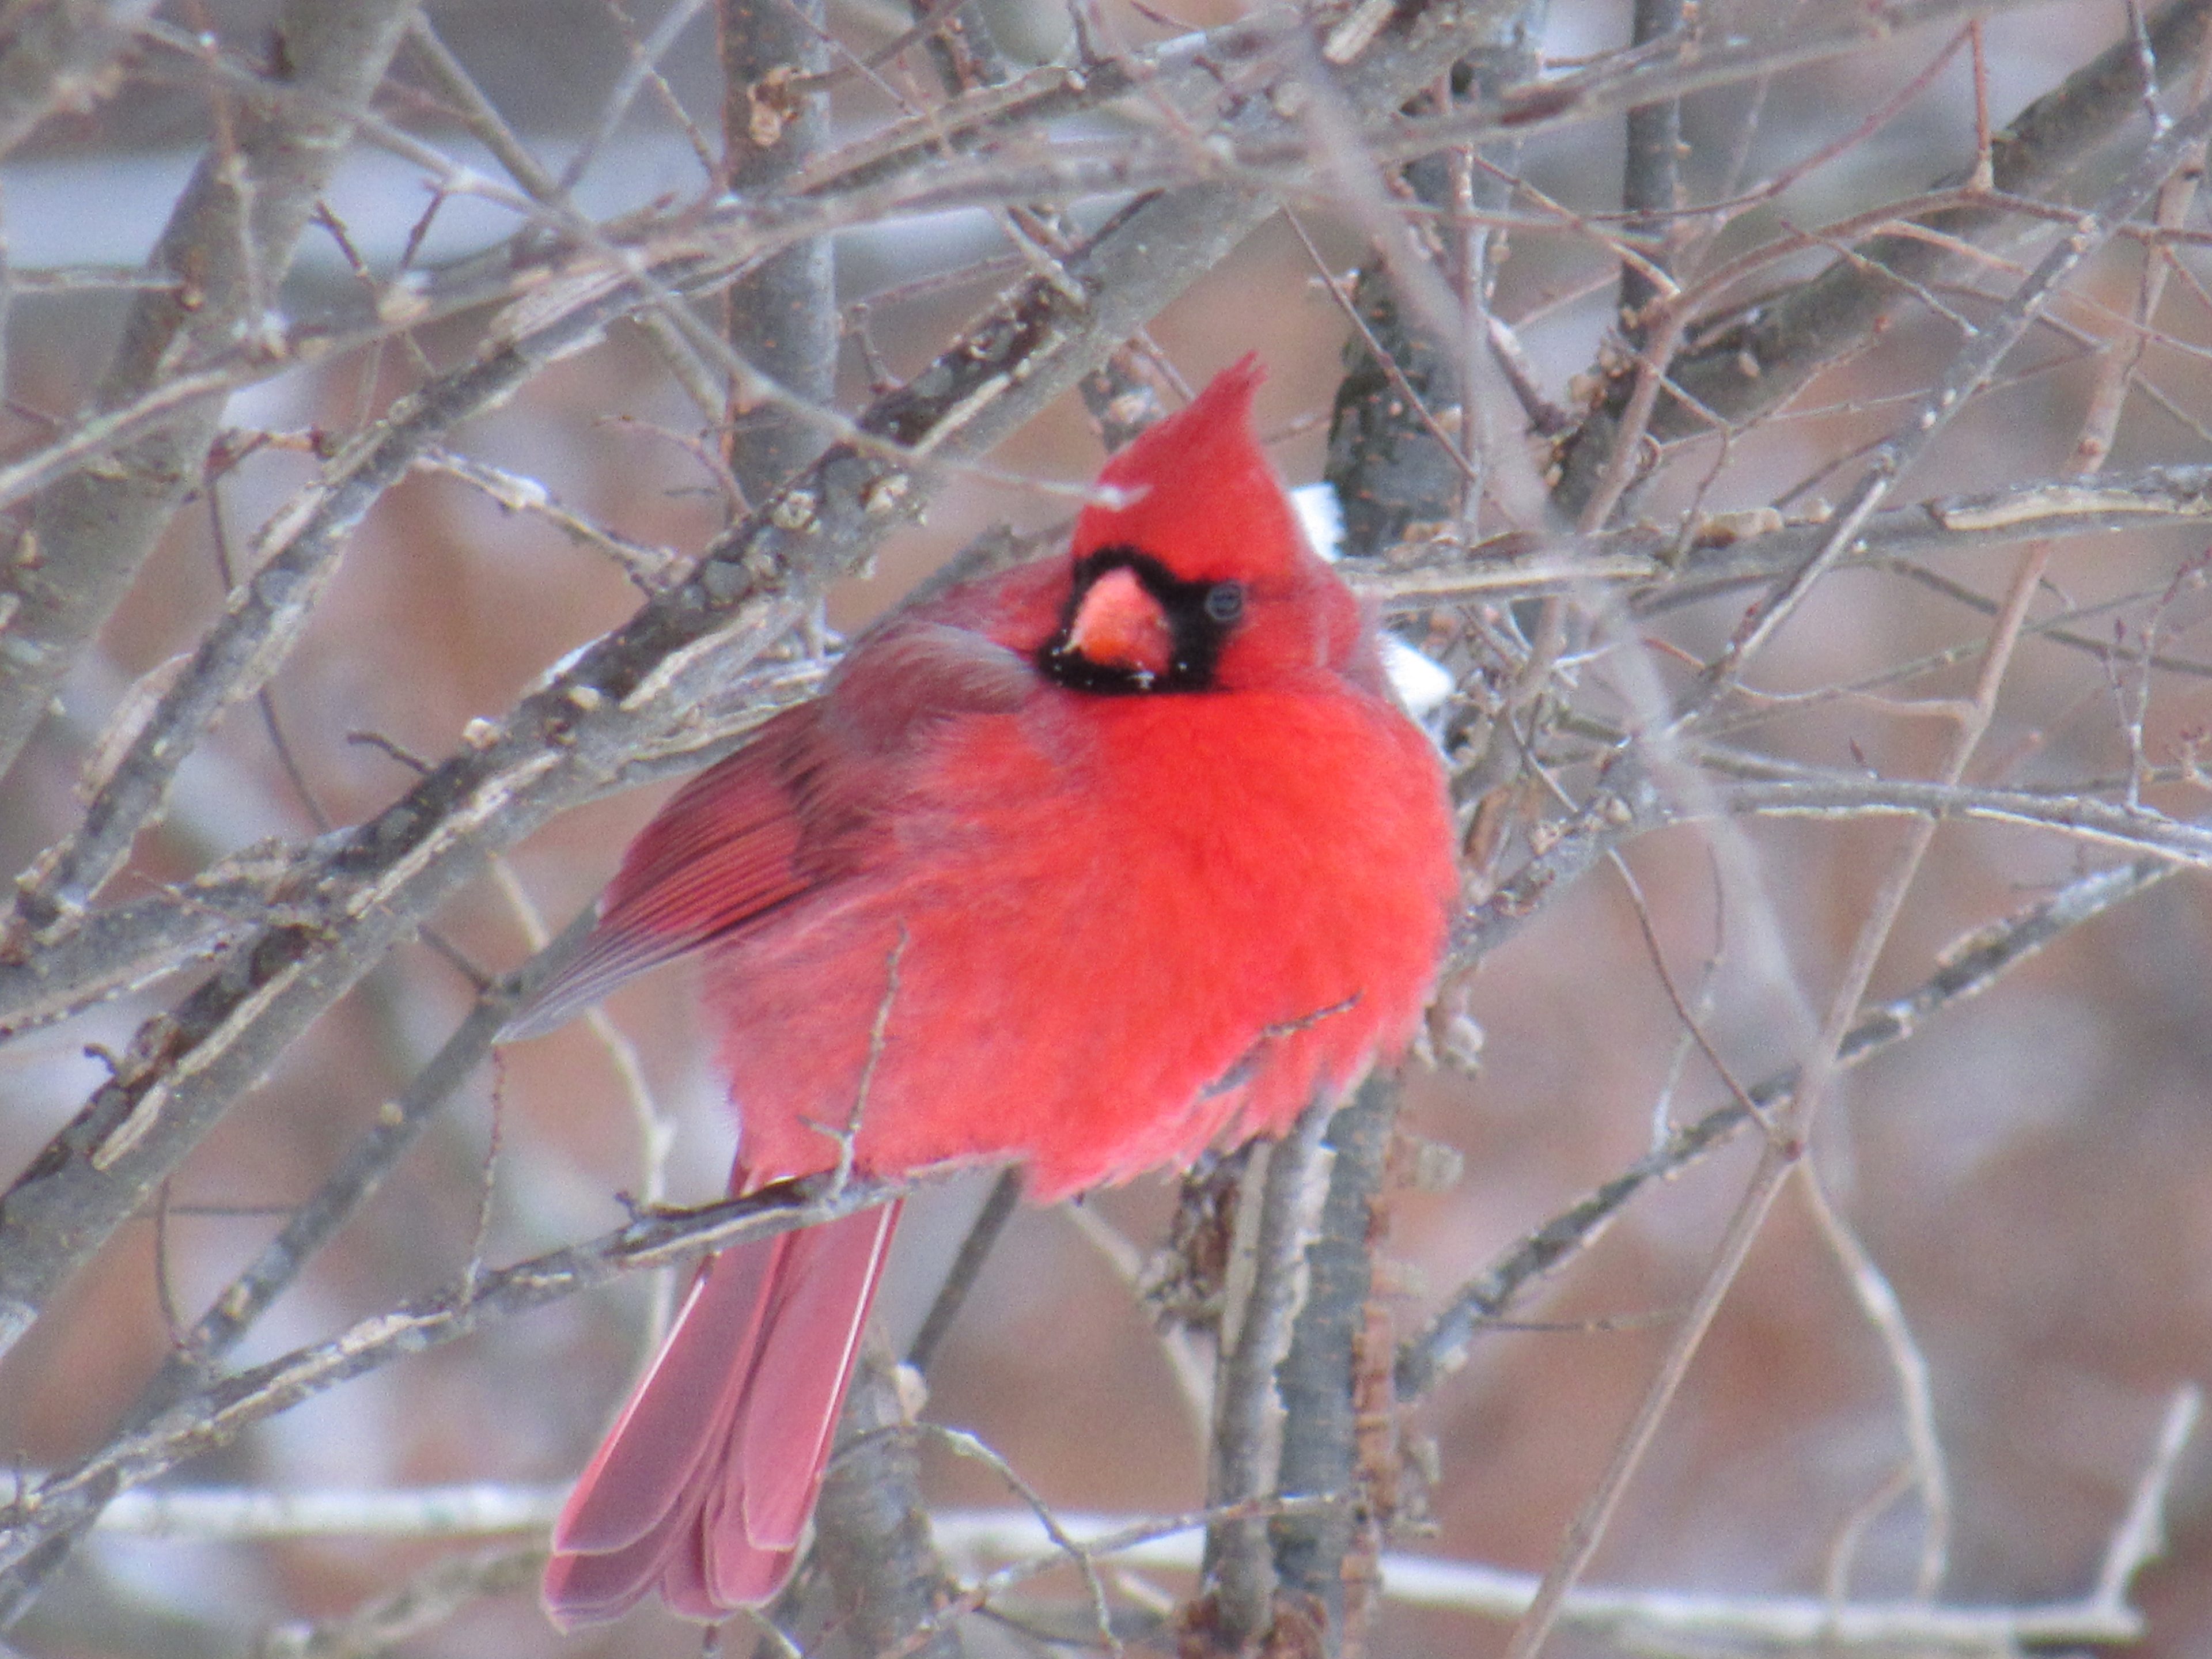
<point x="1105" y="861"/>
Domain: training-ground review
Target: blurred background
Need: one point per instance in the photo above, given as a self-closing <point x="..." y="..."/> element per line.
<point x="2032" y="1172"/>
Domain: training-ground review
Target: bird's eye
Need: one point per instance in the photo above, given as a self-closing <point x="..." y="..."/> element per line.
<point x="1224" y="601"/>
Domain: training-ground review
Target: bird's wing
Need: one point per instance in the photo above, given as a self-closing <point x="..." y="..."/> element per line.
<point x="798" y="807"/>
<point x="727" y="848"/>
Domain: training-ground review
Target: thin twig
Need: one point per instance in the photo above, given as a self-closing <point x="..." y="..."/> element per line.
<point x="1440" y="1347"/>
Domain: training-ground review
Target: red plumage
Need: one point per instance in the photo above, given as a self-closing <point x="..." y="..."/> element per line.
<point x="1127" y="854"/>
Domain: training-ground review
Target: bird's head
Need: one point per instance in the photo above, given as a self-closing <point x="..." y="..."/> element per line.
<point x="1188" y="571"/>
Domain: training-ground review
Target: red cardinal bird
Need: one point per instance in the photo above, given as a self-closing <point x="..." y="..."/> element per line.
<point x="1106" y="860"/>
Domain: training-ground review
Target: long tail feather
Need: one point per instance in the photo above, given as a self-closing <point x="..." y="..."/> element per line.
<point x="704" y="1485"/>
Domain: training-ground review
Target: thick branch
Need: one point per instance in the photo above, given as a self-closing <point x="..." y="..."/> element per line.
<point x="783" y="312"/>
<point x="872" y="1532"/>
<point x="1319" y="1378"/>
<point x="1247" y="1433"/>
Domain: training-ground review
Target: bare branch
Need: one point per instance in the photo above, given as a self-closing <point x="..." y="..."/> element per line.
<point x="782" y="316"/>
<point x="873" y="1530"/>
<point x="426" y="1601"/>
<point x="1968" y="969"/>
<point x="59" y="56"/>
<point x="1663" y="1620"/>
<point x="231" y="236"/>
<point x="37" y="1520"/>
<point x="1319" y="1377"/>
<point x="1967" y="372"/>
<point x="1247" y="1432"/>
<point x="1761" y="362"/>
<point x="230" y="1514"/>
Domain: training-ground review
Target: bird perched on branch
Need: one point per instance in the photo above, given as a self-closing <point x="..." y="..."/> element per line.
<point x="1090" y="867"/>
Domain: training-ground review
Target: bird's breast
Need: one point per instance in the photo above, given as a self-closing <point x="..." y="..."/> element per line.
<point x="1113" y="930"/>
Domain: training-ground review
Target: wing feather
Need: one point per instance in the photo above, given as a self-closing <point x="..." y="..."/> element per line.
<point x="729" y="847"/>
<point x="798" y="806"/>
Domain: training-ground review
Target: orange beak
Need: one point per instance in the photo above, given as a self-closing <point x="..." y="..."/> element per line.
<point x="1120" y="625"/>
